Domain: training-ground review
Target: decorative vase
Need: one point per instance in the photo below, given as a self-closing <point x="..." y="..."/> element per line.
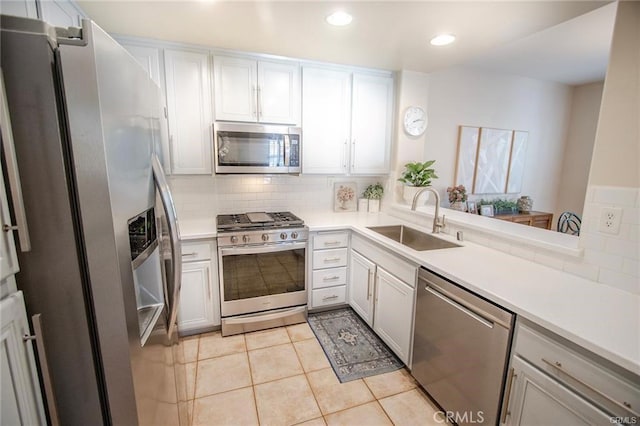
<point x="374" y="206"/>
<point x="459" y="205"/>
<point x="525" y="203"/>
<point x="408" y="192"/>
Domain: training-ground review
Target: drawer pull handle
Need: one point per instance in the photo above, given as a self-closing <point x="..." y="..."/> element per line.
<point x="333" y="278"/>
<point x="558" y="366"/>
<point x="331" y="259"/>
<point x="189" y="254"/>
<point x="331" y="243"/>
<point x="335" y="296"/>
<point x="506" y="412"/>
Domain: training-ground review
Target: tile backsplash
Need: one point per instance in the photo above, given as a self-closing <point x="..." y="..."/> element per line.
<point x="202" y="196"/>
<point x="612" y="260"/>
<point x="615" y="257"/>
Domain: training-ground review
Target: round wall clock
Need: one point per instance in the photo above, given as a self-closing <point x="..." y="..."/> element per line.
<point x="415" y="121"/>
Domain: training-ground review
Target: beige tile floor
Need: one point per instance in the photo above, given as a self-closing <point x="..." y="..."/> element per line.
<point x="282" y="377"/>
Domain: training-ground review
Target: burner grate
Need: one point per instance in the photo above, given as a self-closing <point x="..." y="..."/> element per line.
<point x="244" y="221"/>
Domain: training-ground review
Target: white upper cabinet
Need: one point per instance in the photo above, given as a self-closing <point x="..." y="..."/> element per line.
<point x="326" y="98"/>
<point x="24" y="8"/>
<point x="346" y="121"/>
<point x="236" y="92"/>
<point x="371" y="124"/>
<point x="256" y="91"/>
<point x="61" y="13"/>
<point x="189" y="110"/>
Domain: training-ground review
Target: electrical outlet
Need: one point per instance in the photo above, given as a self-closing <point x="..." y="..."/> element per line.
<point x="610" y="218"/>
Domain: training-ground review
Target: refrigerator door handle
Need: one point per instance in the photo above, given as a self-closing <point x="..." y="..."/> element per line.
<point x="174" y="238"/>
<point x="12" y="173"/>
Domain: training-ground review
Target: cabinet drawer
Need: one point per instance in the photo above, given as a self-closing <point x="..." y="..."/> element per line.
<point x="328" y="296"/>
<point x="329" y="258"/>
<point x="612" y="390"/>
<point x="330" y="241"/>
<point x="329" y="277"/>
<point x="192" y="252"/>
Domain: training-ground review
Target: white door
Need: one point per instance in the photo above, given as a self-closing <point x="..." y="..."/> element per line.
<point x="21" y="399"/>
<point x="189" y="110"/>
<point x="61" y="13"/>
<point x="278" y="92"/>
<point x="148" y="58"/>
<point x="361" y="282"/>
<point x="196" y="299"/>
<point x="371" y="123"/>
<point x="393" y="314"/>
<point x="538" y="399"/>
<point x="236" y="89"/>
<point x="326" y="120"/>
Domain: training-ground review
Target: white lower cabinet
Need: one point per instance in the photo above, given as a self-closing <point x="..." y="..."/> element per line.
<point x="382" y="292"/>
<point x="539" y="399"/>
<point x="551" y="381"/>
<point x="21" y="399"/>
<point x="199" y="309"/>
<point x="361" y="282"/>
<point x="393" y="313"/>
<point x="328" y="269"/>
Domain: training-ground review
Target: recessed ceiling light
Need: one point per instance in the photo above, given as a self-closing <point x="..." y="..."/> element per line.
<point x="443" y="39"/>
<point x="339" y="19"/>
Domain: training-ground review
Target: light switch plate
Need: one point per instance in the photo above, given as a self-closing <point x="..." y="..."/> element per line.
<point x="610" y="218"/>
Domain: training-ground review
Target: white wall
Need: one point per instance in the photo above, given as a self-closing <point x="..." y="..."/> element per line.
<point x="412" y="89"/>
<point x="578" y="150"/>
<point x="465" y="96"/>
<point x="616" y="155"/>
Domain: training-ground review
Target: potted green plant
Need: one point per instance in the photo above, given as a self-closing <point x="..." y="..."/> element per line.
<point x="374" y="194"/>
<point x="416" y="176"/>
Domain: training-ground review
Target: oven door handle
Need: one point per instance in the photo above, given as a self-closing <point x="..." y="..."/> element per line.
<point x="269" y="248"/>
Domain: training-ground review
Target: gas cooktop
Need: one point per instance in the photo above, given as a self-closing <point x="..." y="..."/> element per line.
<point x="257" y="220"/>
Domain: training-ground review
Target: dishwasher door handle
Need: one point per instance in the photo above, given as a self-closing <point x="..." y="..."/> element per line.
<point x="462" y="308"/>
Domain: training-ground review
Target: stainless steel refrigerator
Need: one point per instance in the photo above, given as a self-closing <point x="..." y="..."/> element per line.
<point x="103" y="266"/>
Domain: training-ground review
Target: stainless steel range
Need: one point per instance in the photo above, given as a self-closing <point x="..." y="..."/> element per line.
<point x="262" y="264"/>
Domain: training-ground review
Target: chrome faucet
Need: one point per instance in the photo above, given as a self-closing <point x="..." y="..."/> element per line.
<point x="437" y="223"/>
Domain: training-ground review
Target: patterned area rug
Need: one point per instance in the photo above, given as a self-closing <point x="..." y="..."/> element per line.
<point x="353" y="349"/>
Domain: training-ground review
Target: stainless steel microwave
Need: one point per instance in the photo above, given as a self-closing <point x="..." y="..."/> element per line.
<point x="255" y="148"/>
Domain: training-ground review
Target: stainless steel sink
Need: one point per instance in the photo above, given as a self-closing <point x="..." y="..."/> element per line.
<point x="410" y="237"/>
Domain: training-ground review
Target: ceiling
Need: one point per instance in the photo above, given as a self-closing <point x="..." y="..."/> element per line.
<point x="384" y="34"/>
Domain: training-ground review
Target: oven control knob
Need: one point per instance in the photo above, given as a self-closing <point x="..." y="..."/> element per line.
<point x="265" y="237"/>
<point x="246" y="238"/>
<point x="294" y="235"/>
<point x="234" y="239"/>
<point x="283" y="236"/>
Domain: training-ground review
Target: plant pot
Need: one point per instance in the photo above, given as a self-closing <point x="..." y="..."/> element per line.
<point x="459" y="205"/>
<point x="374" y="206"/>
<point x="408" y="192"/>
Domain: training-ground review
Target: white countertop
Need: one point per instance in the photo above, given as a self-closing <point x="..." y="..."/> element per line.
<point x="597" y="317"/>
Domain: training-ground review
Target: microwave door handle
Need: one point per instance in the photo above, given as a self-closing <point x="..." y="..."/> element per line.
<point x="287" y="151"/>
<point x="13" y="174"/>
<point x="174" y="239"/>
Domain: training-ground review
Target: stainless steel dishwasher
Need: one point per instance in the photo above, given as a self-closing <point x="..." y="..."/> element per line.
<point x="460" y="349"/>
